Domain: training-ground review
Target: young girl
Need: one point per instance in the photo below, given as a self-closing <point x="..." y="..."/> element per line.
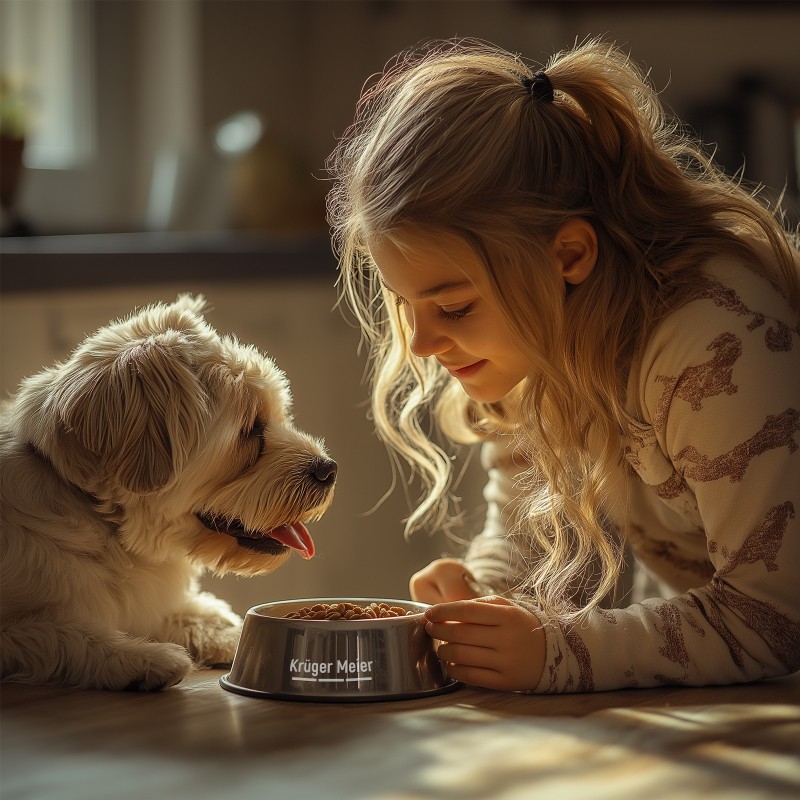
<point x="544" y="263"/>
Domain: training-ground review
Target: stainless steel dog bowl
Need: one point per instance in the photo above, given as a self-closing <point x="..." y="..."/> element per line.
<point x="335" y="660"/>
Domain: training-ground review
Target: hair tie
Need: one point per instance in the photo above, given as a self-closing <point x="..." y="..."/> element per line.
<point x="539" y="86"/>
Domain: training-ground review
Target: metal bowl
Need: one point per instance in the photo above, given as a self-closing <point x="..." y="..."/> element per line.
<point x="335" y="660"/>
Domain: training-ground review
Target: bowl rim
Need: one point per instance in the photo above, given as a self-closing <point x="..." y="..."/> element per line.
<point x="301" y="602"/>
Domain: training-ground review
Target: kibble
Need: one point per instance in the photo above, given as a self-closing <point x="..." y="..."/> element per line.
<point x="348" y="611"/>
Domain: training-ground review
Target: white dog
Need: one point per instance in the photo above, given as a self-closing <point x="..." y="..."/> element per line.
<point x="158" y="450"/>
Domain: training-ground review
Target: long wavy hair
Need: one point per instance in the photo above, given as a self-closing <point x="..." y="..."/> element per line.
<point x="448" y="140"/>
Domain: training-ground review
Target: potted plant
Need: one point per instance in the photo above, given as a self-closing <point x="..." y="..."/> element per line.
<point x="13" y="129"/>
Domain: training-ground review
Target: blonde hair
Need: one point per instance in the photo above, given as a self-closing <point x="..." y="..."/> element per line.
<point x="449" y="140"/>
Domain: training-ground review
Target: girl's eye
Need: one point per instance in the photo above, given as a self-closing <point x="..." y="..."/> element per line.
<point x="458" y="313"/>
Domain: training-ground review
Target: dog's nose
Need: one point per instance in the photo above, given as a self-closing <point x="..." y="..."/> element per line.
<point x="323" y="470"/>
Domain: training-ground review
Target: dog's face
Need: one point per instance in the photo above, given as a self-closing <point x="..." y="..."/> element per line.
<point x="185" y="440"/>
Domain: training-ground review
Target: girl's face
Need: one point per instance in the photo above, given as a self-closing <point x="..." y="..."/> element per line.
<point x="442" y="287"/>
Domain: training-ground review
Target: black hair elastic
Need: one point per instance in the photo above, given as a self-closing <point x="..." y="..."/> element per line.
<point x="539" y="86"/>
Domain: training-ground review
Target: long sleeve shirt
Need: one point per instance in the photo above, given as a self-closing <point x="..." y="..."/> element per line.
<point x="709" y="503"/>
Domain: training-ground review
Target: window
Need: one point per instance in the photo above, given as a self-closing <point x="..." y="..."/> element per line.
<point x="46" y="50"/>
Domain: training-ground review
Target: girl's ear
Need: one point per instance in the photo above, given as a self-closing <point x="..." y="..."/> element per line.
<point x="574" y="250"/>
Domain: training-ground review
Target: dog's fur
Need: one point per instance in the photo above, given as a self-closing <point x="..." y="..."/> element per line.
<point x="109" y="463"/>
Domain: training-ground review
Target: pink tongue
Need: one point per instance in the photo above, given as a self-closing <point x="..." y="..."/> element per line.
<point x="295" y="536"/>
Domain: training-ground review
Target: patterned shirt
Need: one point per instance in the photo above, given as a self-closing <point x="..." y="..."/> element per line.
<point x="708" y="503"/>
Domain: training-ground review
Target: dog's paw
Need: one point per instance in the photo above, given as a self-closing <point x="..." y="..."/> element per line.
<point x="73" y="654"/>
<point x="157" y="666"/>
<point x="207" y="628"/>
<point x="214" y="643"/>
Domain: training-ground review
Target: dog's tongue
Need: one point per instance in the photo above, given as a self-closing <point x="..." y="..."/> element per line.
<point x="295" y="536"/>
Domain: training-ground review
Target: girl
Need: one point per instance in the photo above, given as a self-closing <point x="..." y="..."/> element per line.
<point x="548" y="265"/>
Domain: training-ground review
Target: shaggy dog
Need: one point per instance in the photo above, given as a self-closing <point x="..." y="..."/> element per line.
<point x="158" y="450"/>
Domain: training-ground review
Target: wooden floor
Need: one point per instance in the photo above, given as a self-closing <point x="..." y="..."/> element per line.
<point x="197" y="740"/>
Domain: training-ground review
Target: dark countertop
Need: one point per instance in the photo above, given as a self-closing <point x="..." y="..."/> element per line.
<point x="41" y="263"/>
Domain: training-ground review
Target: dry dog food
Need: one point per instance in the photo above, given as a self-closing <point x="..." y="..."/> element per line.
<point x="348" y="611"/>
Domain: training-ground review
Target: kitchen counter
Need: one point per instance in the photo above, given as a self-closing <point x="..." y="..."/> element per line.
<point x="89" y="261"/>
<point x="197" y="740"/>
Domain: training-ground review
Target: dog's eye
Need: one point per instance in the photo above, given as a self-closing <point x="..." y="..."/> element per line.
<point x="255" y="431"/>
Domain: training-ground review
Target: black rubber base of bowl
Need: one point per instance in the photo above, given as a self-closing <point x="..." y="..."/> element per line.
<point x="327" y="698"/>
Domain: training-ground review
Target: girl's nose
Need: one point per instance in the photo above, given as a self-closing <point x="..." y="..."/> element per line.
<point x="426" y="338"/>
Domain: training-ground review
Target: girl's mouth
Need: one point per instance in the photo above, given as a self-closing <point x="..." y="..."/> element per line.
<point x="466" y="372"/>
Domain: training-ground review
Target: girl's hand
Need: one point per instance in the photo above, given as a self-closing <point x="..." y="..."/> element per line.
<point x="443" y="580"/>
<point x="489" y="642"/>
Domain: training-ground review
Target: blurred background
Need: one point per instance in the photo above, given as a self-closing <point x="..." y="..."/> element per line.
<point x="149" y="147"/>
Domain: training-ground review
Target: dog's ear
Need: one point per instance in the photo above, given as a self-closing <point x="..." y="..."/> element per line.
<point x="137" y="415"/>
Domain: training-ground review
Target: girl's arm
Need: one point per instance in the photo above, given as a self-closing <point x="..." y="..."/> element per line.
<point x="717" y="485"/>
<point x="495" y="560"/>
